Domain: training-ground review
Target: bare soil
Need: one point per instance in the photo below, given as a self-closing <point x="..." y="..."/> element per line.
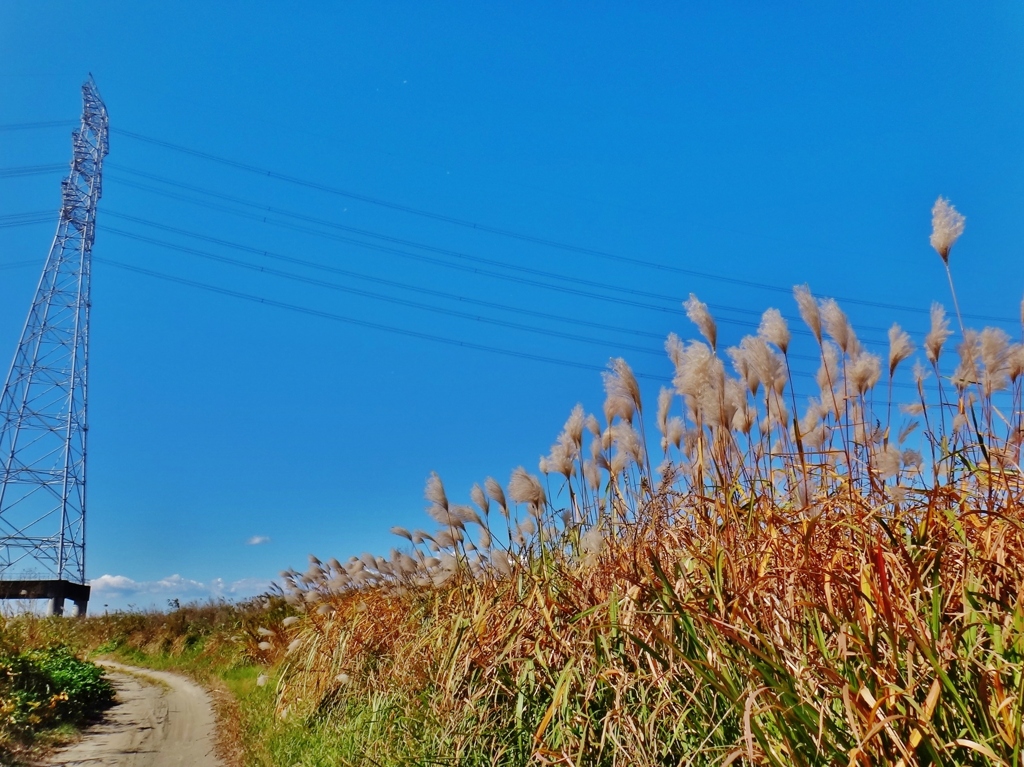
<point x="159" y="720"/>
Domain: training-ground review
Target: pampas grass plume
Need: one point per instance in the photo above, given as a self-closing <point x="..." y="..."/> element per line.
<point x="774" y="330"/>
<point x="699" y="315"/>
<point x="808" y="309"/>
<point x="523" y="487"/>
<point x="900" y="347"/>
<point x="937" y="336"/>
<point x="947" y="226"/>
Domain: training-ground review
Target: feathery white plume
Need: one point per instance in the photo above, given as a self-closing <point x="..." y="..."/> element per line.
<point x="699" y="315"/>
<point x="523" y="487"/>
<point x="808" y="309"/>
<point x="864" y="372"/>
<point x="401" y="532"/>
<point x="995" y="356"/>
<point x="947" y="226"/>
<point x="937" y="336"/>
<point x="497" y="494"/>
<point x="837" y="325"/>
<point x="900" y="347"/>
<point x="621" y="390"/>
<point x="774" y="330"/>
<point x="479" y="497"/>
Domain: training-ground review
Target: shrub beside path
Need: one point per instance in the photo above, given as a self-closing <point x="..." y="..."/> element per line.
<point x="159" y="720"/>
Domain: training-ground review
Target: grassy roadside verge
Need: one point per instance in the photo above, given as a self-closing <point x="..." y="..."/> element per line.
<point x="218" y="646"/>
<point x="47" y="691"/>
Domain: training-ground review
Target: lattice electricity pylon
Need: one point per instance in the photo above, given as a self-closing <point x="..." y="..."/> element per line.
<point x="44" y="402"/>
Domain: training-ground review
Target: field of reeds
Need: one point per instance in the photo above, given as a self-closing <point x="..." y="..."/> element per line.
<point x="834" y="583"/>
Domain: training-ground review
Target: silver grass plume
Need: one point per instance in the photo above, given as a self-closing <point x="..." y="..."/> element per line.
<point x="443" y="516"/>
<point x="776" y="414"/>
<point x="900" y="347"/>
<point x="812" y="425"/>
<point x="808" y="309"/>
<point x="967" y="372"/>
<point x="741" y="416"/>
<point x="937" y="336"/>
<point x="466" y="514"/>
<point x="743" y="369"/>
<point x="665" y="397"/>
<point x="864" y="372"/>
<point x="497" y="494"/>
<point x="527" y="527"/>
<point x="774" y="330"/>
<point x="501" y="562"/>
<point x="591" y="546"/>
<point x="947" y="226"/>
<point x="994" y="346"/>
<point x="675" y="348"/>
<point x="887" y="460"/>
<point x="912" y="409"/>
<point x="699" y="315"/>
<point x="523" y="487"/>
<point x="769" y="368"/>
<point x="676" y="431"/>
<point x="700" y="378"/>
<point x="434" y="492"/>
<point x="828" y="377"/>
<point x="563" y="455"/>
<point x="1016" y="360"/>
<point x="621" y="390"/>
<point x="401" y="532"/>
<point x="573" y="428"/>
<point x="838" y="326"/>
<point x="627" y="441"/>
<point x="479" y="497"/>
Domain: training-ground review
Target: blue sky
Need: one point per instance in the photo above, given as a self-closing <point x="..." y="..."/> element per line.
<point x="769" y="143"/>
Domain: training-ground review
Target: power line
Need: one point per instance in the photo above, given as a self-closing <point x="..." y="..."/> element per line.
<point x="30" y="170"/>
<point x="388" y="299"/>
<point x="12" y="220"/>
<point x="30" y="126"/>
<point x="476" y="226"/>
<point x="565" y="289"/>
<point x="335" y="286"/>
<point x="359" y="322"/>
<point x="378" y="280"/>
<point x="674" y="301"/>
<point x="574" y="280"/>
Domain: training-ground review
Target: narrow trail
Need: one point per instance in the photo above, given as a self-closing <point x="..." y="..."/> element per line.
<point x="159" y="720"/>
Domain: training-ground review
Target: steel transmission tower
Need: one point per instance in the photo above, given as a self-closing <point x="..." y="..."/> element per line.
<point x="43" y="406"/>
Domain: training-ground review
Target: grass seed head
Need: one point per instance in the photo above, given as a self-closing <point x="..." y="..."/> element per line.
<point x="774" y="330"/>
<point x="900" y="347"/>
<point x="699" y="315"/>
<point x="808" y="309"/>
<point x="947" y="226"/>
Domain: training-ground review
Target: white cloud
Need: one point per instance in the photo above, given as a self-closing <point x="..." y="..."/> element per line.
<point x="120" y="589"/>
<point x="256" y="540"/>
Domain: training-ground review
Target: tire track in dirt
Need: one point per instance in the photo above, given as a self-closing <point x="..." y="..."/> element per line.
<point x="158" y="720"/>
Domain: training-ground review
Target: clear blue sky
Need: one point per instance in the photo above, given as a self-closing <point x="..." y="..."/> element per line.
<point x="774" y="143"/>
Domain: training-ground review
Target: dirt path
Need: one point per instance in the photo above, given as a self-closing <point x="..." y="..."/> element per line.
<point x="159" y="720"/>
